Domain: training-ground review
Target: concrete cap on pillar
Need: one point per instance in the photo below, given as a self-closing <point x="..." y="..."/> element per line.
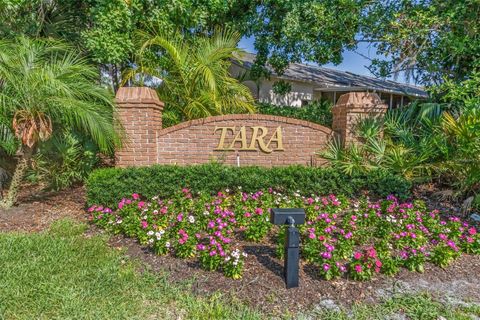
<point x="138" y="95"/>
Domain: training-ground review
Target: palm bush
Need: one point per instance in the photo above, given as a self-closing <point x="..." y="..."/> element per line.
<point x="64" y="160"/>
<point x="422" y="142"/>
<point x="45" y="88"/>
<point x="194" y="75"/>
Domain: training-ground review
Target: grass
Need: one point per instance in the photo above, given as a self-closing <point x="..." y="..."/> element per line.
<point x="419" y="306"/>
<point x="63" y="274"/>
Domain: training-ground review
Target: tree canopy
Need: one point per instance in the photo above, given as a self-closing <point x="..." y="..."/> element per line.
<point x="430" y="40"/>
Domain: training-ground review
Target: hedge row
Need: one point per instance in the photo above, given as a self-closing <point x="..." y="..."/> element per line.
<point x="316" y="111"/>
<point x="108" y="186"/>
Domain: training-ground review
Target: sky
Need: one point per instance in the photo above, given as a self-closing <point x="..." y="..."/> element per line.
<point x="352" y="61"/>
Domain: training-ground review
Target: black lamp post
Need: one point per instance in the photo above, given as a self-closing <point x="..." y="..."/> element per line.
<point x="290" y="217"/>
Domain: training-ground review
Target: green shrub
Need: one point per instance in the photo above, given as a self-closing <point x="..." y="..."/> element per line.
<point x="108" y="186"/>
<point x="317" y="111"/>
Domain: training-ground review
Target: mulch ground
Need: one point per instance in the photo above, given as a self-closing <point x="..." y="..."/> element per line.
<point x="262" y="285"/>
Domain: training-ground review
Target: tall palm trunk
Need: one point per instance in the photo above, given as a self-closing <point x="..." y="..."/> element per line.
<point x="20" y="169"/>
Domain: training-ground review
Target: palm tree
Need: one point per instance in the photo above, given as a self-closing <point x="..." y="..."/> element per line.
<point x="194" y="75"/>
<point x="45" y="88"/>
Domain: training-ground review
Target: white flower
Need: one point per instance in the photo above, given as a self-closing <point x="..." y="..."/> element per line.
<point x="162" y="232"/>
<point x="150" y="233"/>
<point x="227" y="190"/>
<point x="244" y="254"/>
<point x="155" y="198"/>
<point x="206" y="213"/>
<point x="145" y="217"/>
<point x="191" y="219"/>
<point x="239" y="187"/>
<point x="235" y="263"/>
<point x="119" y="221"/>
<point x="150" y="240"/>
<point x="227" y="258"/>
<point x="167" y="244"/>
<point x="155" y="211"/>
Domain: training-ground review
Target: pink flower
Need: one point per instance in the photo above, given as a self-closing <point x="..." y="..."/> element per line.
<point x="326" y="255"/>
<point x="144" y="224"/>
<point x="180" y="217"/>
<point x="348" y="235"/>
<point x="357" y="255"/>
<point x="213" y="253"/>
<point x="135" y="196"/>
<point x="247" y="215"/>
<point x="378" y="263"/>
<point x="141" y="204"/>
<point x="200" y="247"/>
<point x="311" y="235"/>
<point x="259" y="211"/>
<point x="472" y="231"/>
<point x="120" y="205"/>
<point x="92" y="208"/>
<point x="358" y="268"/>
<point x="326" y="267"/>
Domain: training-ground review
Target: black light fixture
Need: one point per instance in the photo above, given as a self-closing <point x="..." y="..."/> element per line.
<point x="290" y="217"/>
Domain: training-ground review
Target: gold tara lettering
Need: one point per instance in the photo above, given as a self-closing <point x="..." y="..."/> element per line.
<point x="277" y="137"/>
<point x="256" y="137"/>
<point x="221" y="143"/>
<point x="241" y="137"/>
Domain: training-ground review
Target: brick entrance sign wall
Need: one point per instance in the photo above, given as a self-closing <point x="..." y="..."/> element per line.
<point x="238" y="139"/>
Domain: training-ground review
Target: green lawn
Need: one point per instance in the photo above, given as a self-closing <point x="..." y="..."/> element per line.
<point x="62" y="274"/>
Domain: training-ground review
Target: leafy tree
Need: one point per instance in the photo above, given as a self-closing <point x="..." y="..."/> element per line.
<point x="46" y="88"/>
<point x="429" y="39"/>
<point x="196" y="81"/>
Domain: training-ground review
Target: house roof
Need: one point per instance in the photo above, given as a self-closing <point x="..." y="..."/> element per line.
<point x="330" y="79"/>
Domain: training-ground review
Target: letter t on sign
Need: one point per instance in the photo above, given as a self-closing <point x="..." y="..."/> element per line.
<point x="222" y="136"/>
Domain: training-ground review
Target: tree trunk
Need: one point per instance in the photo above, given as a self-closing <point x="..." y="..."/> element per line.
<point x="20" y="169"/>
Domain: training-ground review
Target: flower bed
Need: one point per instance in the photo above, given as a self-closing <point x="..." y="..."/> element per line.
<point x="358" y="238"/>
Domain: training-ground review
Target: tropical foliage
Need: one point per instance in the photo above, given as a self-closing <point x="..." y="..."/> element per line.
<point x="46" y="90"/>
<point x="195" y="82"/>
<point x="422" y="141"/>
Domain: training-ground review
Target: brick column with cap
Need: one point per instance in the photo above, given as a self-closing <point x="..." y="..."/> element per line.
<point x="350" y="109"/>
<point x="140" y="113"/>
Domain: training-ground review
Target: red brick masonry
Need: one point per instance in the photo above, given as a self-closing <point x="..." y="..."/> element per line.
<point x="195" y="141"/>
<point x="244" y="139"/>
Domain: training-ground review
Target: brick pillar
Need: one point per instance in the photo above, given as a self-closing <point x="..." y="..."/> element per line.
<point x="140" y="112"/>
<point x="352" y="107"/>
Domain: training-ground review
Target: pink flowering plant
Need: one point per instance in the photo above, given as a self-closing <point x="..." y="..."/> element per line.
<point x="253" y="214"/>
<point x="341" y="238"/>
